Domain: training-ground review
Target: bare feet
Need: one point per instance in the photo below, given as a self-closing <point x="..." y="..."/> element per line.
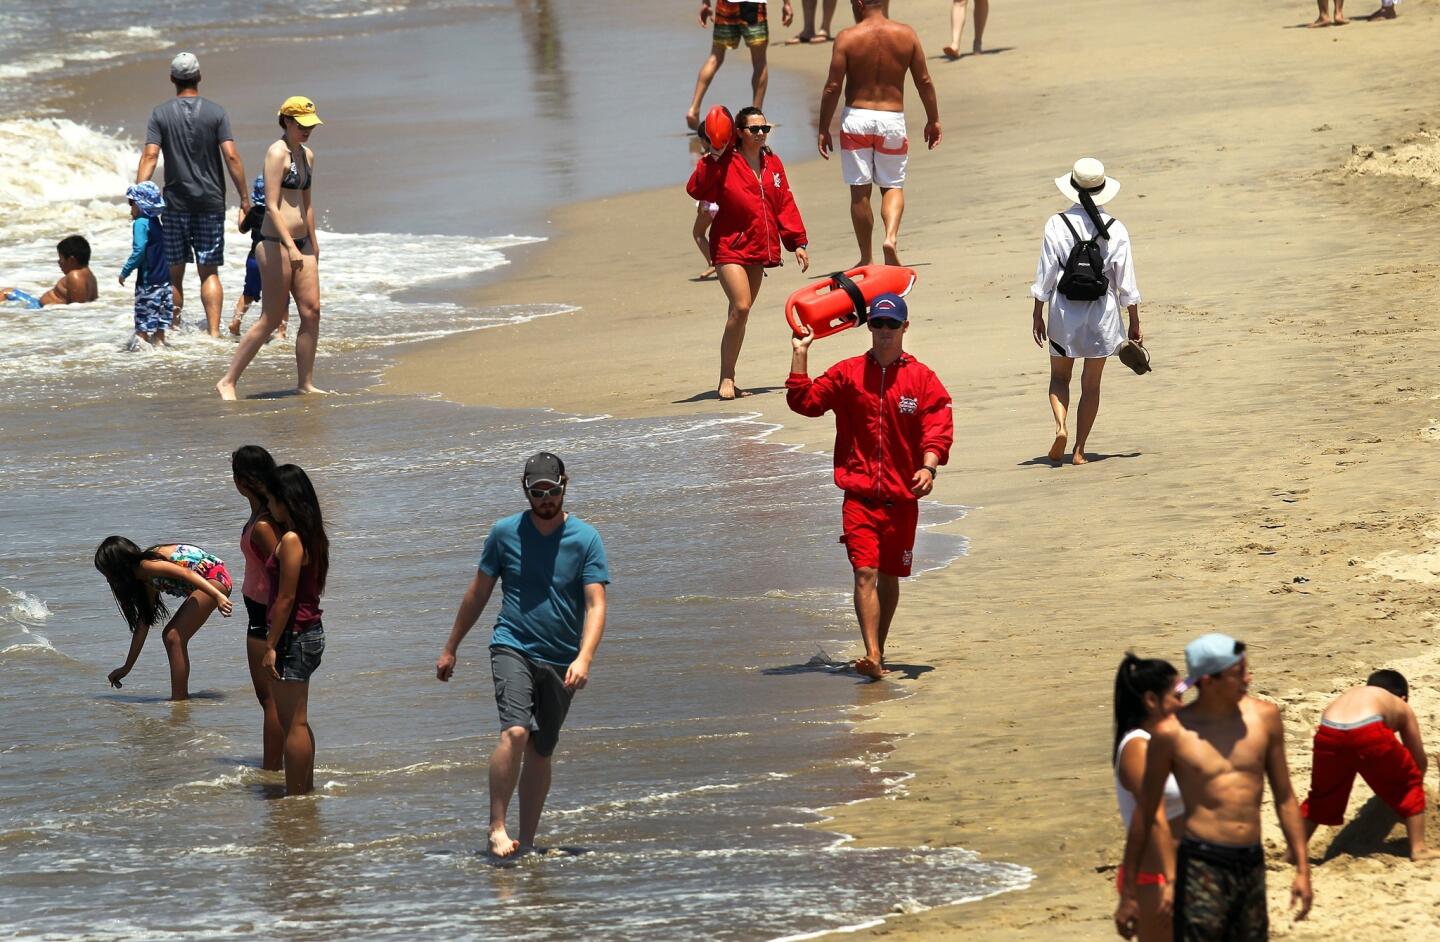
<point x="692" y="119"/>
<point x="951" y="53"/>
<point x="869" y="668"/>
<point x="1340" y="19"/>
<point x="226" y="390"/>
<point x="1057" y="448"/>
<point x="892" y="257"/>
<point x="1384" y="13"/>
<point x="817" y="37"/>
<point x="235" y="326"/>
<point x="1423" y="853"/>
<point x="1079" y="457"/>
<point x="976" y="48"/>
<point x="728" y="390"/>
<point x="501" y="843"/>
<point x="1319" y="21"/>
<point x="706" y="275"/>
<point x="311" y="389"/>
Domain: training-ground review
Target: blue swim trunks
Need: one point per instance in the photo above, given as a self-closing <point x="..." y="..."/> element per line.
<point x="194" y="236"/>
<point x="252" y="278"/>
<point x="154" y="308"/>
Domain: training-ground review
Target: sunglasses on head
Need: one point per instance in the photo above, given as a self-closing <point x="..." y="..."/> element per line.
<point x="885" y="323"/>
<point x="758" y="128"/>
<point x="540" y="493"/>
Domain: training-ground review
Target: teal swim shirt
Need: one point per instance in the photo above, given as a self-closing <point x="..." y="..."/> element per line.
<point x="543" y="580"/>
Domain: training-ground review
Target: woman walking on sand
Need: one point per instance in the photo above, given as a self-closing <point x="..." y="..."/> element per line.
<point x="756" y="215"/>
<point x="288" y="253"/>
<point x="1084" y="314"/>
<point x="1146" y="692"/>
<point x="957" y="26"/>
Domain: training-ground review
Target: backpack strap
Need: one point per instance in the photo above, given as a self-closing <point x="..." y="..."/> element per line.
<point x="1065" y="219"/>
<point x="1102" y="231"/>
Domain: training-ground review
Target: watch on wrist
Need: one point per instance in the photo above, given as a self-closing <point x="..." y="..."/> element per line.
<point x="934" y="472"/>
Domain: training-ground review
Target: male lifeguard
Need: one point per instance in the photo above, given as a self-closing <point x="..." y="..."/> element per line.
<point x="870" y="61"/>
<point x="893" y="430"/>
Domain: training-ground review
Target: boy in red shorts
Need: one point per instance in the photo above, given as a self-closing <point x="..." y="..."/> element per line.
<point x="893" y="430"/>
<point x="1357" y="735"/>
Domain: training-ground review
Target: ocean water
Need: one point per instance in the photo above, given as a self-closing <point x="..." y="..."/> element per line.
<point x="692" y="770"/>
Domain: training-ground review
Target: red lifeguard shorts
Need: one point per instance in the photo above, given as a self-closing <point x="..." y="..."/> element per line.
<point x="1377" y="756"/>
<point x="880" y="534"/>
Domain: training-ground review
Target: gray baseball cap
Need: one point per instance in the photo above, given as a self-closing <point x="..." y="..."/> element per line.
<point x="543" y="467"/>
<point x="185" y="66"/>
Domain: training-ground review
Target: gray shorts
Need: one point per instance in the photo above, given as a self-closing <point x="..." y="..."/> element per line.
<point x="297" y="656"/>
<point x="531" y="694"/>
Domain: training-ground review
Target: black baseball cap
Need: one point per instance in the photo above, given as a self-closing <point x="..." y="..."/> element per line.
<point x="543" y="466"/>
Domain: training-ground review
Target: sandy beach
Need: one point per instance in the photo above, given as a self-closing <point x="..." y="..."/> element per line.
<point x="1267" y="480"/>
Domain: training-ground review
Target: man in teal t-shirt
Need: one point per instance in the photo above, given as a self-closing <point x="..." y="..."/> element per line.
<point x="552" y="573"/>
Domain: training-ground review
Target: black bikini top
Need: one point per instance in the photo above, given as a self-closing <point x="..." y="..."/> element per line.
<point x="297" y="178"/>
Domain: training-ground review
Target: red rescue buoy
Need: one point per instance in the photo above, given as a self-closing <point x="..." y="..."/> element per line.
<point x="828" y="306"/>
<point x="719" y="128"/>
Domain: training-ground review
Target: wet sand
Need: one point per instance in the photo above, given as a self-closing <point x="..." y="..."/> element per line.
<point x="1281" y="447"/>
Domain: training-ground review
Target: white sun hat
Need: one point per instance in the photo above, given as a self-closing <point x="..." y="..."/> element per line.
<point x="1088" y="174"/>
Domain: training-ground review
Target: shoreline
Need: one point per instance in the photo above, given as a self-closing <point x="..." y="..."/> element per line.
<point x="1247" y="517"/>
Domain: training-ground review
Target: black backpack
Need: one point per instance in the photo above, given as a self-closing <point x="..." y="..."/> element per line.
<point x="1084" y="278"/>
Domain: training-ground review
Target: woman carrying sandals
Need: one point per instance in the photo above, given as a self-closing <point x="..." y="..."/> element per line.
<point x="288" y="253"/>
<point x="1086" y="274"/>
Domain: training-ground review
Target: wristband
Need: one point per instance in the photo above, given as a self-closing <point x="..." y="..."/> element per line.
<point x="934" y="472"/>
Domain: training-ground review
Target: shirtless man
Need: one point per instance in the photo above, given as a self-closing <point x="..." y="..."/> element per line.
<point x="870" y="61"/>
<point x="1220" y="748"/>
<point x="1357" y="735"/>
<point x="76" y="284"/>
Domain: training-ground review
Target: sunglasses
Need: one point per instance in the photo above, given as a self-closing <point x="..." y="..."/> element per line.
<point x="758" y="128"/>
<point x="885" y="323"/>
<point x="540" y="493"/>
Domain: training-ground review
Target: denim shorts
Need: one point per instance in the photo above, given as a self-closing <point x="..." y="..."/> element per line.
<point x="297" y="656"/>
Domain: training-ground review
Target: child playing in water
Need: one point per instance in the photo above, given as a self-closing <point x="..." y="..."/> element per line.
<point x="138" y="577"/>
<point x="296" y="639"/>
<point x="252" y="467"/>
<point x="154" y="300"/>
<point x="251" y="292"/>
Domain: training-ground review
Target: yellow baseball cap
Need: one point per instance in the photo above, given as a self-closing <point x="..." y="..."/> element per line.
<point x="302" y="110"/>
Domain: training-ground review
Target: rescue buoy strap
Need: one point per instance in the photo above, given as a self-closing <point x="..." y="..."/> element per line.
<point x="857" y="297"/>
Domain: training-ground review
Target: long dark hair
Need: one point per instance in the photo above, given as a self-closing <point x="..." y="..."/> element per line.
<point x="253" y="467"/>
<point x="291" y="488"/>
<point x="1136" y="677"/>
<point x="117" y="559"/>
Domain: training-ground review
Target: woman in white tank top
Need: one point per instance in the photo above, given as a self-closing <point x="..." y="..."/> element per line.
<point x="1146" y="692"/>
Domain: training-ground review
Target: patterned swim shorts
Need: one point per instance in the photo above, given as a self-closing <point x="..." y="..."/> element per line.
<point x="198" y="237"/>
<point x="154" y="305"/>
<point x="736" y="21"/>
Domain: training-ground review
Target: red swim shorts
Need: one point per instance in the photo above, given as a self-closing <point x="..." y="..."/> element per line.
<point x="880" y="534"/>
<point x="1377" y="756"/>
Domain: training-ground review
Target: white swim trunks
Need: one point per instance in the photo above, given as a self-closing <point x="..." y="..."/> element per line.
<point x="873" y="147"/>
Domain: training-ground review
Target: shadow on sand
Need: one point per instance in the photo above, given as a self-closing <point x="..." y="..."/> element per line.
<point x="970" y="55"/>
<point x="1368" y="834"/>
<point x="1045" y="461"/>
<point x="823" y="663"/>
<point x="712" y="394"/>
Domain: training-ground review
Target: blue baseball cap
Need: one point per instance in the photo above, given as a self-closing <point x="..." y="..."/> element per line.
<point x="888" y="306"/>
<point x="1211" y="654"/>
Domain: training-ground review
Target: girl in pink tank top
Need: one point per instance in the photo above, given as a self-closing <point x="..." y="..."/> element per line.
<point x="252" y="467"/>
<point x="296" y="641"/>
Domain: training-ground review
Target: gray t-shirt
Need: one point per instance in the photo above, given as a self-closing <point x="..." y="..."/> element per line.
<point x="190" y="131"/>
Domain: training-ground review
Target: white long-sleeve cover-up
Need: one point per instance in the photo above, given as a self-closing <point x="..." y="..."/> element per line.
<point x="1085" y="328"/>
